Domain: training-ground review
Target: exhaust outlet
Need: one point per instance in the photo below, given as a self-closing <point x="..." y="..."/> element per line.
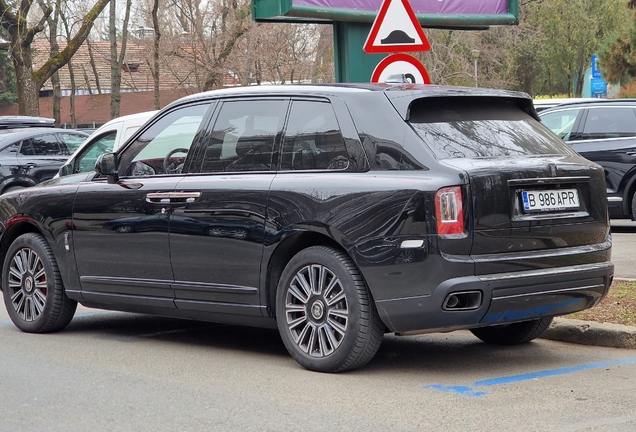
<point x="461" y="301"/>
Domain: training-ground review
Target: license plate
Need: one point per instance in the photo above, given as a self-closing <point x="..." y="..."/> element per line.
<point x="550" y="200"/>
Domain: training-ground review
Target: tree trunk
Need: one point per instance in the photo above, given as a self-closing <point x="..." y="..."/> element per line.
<point x="115" y="67"/>
<point x="94" y="68"/>
<point x="30" y="82"/>
<point x="156" y="40"/>
<point x="28" y="91"/>
<point x="71" y="73"/>
<point x="57" y="97"/>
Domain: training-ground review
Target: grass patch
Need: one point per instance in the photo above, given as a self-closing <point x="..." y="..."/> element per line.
<point x="618" y="307"/>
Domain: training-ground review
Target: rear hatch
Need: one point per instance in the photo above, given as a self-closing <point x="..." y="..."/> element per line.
<point x="534" y="203"/>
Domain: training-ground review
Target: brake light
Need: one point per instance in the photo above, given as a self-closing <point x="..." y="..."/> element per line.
<point x="449" y="210"/>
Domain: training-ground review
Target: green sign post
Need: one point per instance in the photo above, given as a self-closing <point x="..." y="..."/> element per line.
<point x="352" y="19"/>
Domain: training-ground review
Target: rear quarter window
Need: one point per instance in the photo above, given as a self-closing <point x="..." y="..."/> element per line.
<point x="473" y="128"/>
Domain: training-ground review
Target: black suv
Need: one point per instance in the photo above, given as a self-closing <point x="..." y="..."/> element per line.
<point x="32" y="155"/>
<point x="603" y="131"/>
<point x="335" y="213"/>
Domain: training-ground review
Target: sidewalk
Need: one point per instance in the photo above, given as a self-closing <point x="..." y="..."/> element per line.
<point x="591" y="333"/>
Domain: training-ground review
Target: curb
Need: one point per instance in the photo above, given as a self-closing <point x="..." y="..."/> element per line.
<point x="591" y="333"/>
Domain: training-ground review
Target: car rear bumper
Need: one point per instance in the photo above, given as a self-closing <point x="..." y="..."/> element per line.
<point x="505" y="298"/>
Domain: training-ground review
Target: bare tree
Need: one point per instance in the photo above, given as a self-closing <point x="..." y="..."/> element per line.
<point x="14" y="19"/>
<point x="155" y="52"/>
<point x="117" y="60"/>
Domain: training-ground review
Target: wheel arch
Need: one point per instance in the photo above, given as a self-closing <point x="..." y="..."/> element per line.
<point x="630" y="190"/>
<point x="25" y="182"/>
<point x="284" y="252"/>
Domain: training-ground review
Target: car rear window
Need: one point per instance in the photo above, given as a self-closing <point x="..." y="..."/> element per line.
<point x="472" y="127"/>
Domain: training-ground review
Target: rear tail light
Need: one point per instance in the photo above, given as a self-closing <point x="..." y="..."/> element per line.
<point x="449" y="210"/>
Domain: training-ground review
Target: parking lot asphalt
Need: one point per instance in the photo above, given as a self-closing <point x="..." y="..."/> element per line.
<point x="604" y="334"/>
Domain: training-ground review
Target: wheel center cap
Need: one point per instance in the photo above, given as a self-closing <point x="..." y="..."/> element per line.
<point x="317" y="310"/>
<point x="28" y="284"/>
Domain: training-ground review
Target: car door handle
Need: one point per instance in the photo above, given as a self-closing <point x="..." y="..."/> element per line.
<point x="31" y="165"/>
<point x="172" y="197"/>
<point x="631" y="153"/>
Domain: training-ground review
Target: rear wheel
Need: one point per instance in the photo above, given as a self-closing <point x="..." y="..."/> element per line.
<point x="513" y="334"/>
<point x="32" y="287"/>
<point x="326" y="317"/>
<point x="633" y="208"/>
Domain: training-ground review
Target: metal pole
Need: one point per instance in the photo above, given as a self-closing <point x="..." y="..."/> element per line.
<point x="475" y="54"/>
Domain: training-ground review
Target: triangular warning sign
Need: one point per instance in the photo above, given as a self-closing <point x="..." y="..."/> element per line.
<point x="396" y="29"/>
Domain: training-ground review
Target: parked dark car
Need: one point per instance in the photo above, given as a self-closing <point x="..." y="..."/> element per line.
<point x="338" y="213"/>
<point x="30" y="156"/>
<point x="603" y="131"/>
<point x="18" y="122"/>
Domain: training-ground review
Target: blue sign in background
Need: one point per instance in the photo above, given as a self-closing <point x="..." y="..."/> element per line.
<point x="596" y="72"/>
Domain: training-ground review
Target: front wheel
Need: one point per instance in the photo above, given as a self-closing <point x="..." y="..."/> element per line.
<point x="32" y="287"/>
<point x="513" y="334"/>
<point x="325" y="314"/>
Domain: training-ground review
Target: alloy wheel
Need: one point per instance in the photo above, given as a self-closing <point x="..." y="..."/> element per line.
<point x="316" y="310"/>
<point x="27" y="284"/>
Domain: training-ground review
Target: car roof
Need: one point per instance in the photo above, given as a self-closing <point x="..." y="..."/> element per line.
<point x="309" y="89"/>
<point x="14" y="122"/>
<point x="145" y="115"/>
<point x="401" y="95"/>
<point x="590" y="103"/>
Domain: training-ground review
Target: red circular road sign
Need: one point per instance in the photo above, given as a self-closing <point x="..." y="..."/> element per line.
<point x="401" y="64"/>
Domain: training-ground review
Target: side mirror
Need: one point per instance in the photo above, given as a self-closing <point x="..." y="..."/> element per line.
<point x="65" y="170"/>
<point x="106" y="165"/>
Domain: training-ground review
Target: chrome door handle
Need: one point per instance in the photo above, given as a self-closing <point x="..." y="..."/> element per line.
<point x="170" y="197"/>
<point x="158" y="197"/>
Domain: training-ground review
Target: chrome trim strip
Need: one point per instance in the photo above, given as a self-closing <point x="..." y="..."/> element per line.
<point x="119" y="281"/>
<point x="200" y="286"/>
<point x="543" y="253"/>
<point x="555" y="291"/>
<point x="614" y="199"/>
<point x="546" y="272"/>
<point x="181" y="195"/>
<point x="158" y="195"/>
<point x="601" y="139"/>
<point x="548" y="180"/>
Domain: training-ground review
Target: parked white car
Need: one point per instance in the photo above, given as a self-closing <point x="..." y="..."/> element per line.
<point x="107" y="138"/>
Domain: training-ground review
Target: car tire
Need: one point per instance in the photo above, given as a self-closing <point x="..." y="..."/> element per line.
<point x="513" y="334"/>
<point x="32" y="287"/>
<point x="633" y="207"/>
<point x="325" y="314"/>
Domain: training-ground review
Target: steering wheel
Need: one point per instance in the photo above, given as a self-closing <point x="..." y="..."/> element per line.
<point x="168" y="167"/>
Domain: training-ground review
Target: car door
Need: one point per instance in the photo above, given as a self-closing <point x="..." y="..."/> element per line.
<point x="608" y="137"/>
<point x="121" y="230"/>
<point x="41" y="156"/>
<point x="216" y="241"/>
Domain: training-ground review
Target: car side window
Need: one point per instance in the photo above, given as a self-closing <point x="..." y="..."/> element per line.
<point x="244" y="135"/>
<point x="562" y="122"/>
<point x="313" y="140"/>
<point x="72" y="141"/>
<point x="85" y="161"/>
<point x="43" y="145"/>
<point x="11" y="149"/>
<point x="163" y="147"/>
<point x="609" y="122"/>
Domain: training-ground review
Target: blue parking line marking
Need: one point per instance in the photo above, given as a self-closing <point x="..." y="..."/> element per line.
<point x="472" y="390"/>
